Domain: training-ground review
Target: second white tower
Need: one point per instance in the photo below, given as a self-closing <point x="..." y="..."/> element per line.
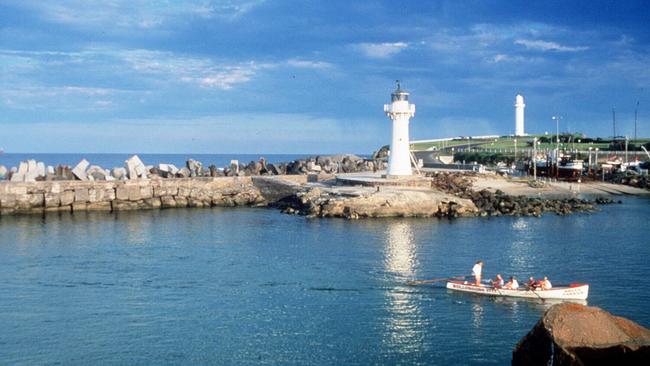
<point x="399" y="111"/>
<point x="519" y="115"/>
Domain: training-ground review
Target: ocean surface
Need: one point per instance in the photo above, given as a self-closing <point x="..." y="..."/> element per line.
<point x="109" y="161"/>
<point x="254" y="286"/>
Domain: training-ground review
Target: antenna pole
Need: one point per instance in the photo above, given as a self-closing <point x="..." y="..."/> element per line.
<point x="614" y="122"/>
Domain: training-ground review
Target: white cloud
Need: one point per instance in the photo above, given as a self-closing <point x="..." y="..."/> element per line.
<point x="381" y="50"/>
<point x="118" y="15"/>
<point x="540" y="45"/>
<point x="306" y="64"/>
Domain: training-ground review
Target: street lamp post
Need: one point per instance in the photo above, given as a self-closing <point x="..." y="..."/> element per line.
<point x="596" y="163"/>
<point x="589" y="166"/>
<point x="535" y="158"/>
<point x="557" y="143"/>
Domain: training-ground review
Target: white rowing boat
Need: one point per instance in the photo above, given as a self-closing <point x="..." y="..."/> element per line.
<point x="575" y="291"/>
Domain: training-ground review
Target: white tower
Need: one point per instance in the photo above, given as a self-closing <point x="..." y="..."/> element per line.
<point x="519" y="115"/>
<point x="399" y="111"/>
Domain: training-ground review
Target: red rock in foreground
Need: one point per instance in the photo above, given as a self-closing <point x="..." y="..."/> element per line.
<point x="573" y="334"/>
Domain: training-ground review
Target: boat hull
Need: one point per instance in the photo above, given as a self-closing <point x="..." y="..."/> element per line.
<point x="573" y="292"/>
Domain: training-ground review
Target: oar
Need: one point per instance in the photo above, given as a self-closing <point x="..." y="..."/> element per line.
<point x="536" y="294"/>
<point x="434" y="280"/>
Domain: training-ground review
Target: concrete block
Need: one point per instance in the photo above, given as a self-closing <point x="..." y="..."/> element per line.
<point x="79" y="171"/>
<point x="30" y="176"/>
<point x="122" y="192"/>
<point x="167" y="201"/>
<point x="52" y="200"/>
<point x="96" y="173"/>
<point x="40" y="169"/>
<point x="184" y="191"/>
<point x="181" y="201"/>
<point x="8" y="200"/>
<point x="119" y="173"/>
<point x="99" y="206"/>
<point x="79" y="206"/>
<point x="3" y="172"/>
<point x="168" y="168"/>
<point x="31" y="165"/>
<point x="153" y="202"/>
<point x="119" y="205"/>
<point x="67" y="197"/>
<point x="135" y="168"/>
<point x="134" y="193"/>
<point x="81" y="194"/>
<point x="17" y="176"/>
<point x="146" y="192"/>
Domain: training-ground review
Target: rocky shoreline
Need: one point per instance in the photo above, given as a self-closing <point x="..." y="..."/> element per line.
<point x="451" y="195"/>
<point x="306" y="187"/>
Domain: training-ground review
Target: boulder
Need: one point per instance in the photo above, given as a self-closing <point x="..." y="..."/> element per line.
<point x="96" y="173"/>
<point x="79" y="171"/>
<point x="574" y="334"/>
<point x="63" y="172"/>
<point x="40" y="169"/>
<point x="195" y="167"/>
<point x="3" y="172"/>
<point x="168" y="170"/>
<point x="275" y="169"/>
<point x="119" y="173"/>
<point x="183" y="173"/>
<point x="135" y="168"/>
<point x="313" y="167"/>
<point x="234" y="167"/>
<point x="19" y="174"/>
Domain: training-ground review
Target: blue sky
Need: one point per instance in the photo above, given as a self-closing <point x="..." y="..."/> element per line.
<point x="256" y="76"/>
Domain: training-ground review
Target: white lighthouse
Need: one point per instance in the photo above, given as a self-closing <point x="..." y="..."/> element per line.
<point x="399" y="111"/>
<point x="519" y="115"/>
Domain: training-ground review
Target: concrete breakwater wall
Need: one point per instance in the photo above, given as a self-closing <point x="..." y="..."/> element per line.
<point x="71" y="196"/>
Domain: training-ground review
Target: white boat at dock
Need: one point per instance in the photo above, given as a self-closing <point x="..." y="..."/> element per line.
<point x="578" y="291"/>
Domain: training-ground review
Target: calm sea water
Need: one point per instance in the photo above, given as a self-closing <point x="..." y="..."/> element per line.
<point x="254" y="286"/>
<point x="117" y="160"/>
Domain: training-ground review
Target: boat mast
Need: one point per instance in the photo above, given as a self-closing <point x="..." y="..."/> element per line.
<point x="614" y="122"/>
<point x="636" y="111"/>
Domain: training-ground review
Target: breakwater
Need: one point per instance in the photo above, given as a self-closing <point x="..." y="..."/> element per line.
<point x="137" y="194"/>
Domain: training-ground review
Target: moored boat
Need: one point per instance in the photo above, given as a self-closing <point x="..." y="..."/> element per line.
<point x="577" y="291"/>
<point x="570" y="168"/>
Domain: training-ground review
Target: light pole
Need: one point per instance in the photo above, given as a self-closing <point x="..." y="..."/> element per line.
<point x="596" y="162"/>
<point x="557" y="142"/>
<point x="589" y="166"/>
<point x="535" y="158"/>
<point x="636" y="112"/>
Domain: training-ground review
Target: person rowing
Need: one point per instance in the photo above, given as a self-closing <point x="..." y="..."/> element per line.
<point x="498" y="281"/>
<point x="532" y="284"/>
<point x="476" y="272"/>
<point x="512" y="283"/>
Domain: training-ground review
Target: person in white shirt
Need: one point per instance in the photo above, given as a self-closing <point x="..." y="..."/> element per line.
<point x="512" y="283"/>
<point x="476" y="272"/>
<point x="546" y="284"/>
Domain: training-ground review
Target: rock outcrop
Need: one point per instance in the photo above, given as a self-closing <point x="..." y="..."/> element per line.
<point x="386" y="202"/>
<point x="572" y="334"/>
